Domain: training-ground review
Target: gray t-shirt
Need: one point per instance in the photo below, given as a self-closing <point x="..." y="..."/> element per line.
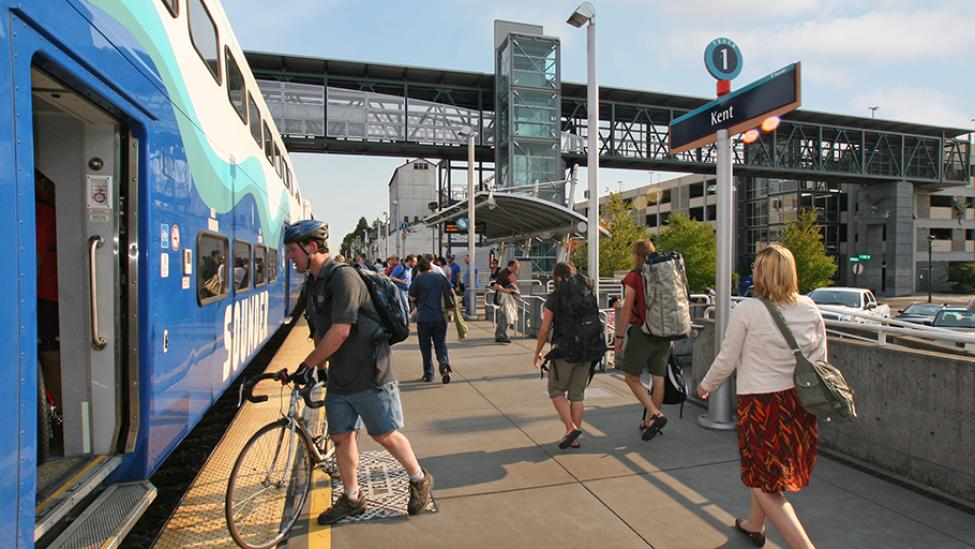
<point x="338" y="295"/>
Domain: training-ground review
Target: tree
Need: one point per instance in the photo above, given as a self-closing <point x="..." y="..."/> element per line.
<point x="614" y="250"/>
<point x="804" y="239"/>
<point x="695" y="240"/>
<point x="346" y="248"/>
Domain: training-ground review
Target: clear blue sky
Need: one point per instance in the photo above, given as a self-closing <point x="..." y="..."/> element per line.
<point x="913" y="59"/>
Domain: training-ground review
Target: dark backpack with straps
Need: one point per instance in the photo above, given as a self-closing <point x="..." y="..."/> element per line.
<point x="579" y="333"/>
<point x="385" y="300"/>
<point x="675" y="388"/>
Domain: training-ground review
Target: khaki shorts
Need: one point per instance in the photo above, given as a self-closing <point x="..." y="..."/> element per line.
<point x="642" y="352"/>
<point x="568" y="377"/>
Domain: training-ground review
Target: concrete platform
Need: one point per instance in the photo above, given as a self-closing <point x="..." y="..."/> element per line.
<point x="490" y="440"/>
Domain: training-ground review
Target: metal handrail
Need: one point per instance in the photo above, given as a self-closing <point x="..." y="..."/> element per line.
<point x="97" y="341"/>
<point x="880" y="327"/>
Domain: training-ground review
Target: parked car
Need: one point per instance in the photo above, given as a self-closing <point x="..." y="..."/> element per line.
<point x="920" y="313"/>
<point x="957" y="320"/>
<point x="851" y="299"/>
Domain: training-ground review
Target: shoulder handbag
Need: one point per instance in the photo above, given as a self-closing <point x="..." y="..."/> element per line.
<point x="822" y="389"/>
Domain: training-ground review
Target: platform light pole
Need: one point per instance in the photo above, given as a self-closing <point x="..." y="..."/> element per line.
<point x="386" y="230"/>
<point x="930" y="264"/>
<point x="584" y="14"/>
<point x="873" y="111"/>
<point x="470" y="294"/>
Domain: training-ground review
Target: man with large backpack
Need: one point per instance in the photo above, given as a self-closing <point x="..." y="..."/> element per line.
<point x="577" y="345"/>
<point x="362" y="388"/>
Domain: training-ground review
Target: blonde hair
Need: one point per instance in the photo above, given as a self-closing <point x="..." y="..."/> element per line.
<point x="775" y="275"/>
<point x="641" y="249"/>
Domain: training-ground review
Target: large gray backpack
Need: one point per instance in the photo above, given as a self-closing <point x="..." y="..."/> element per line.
<point x="667" y="297"/>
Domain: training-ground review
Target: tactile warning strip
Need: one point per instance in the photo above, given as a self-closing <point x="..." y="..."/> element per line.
<point x="199" y="521"/>
<point x="386" y="487"/>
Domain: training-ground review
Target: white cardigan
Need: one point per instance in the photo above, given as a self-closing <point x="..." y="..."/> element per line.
<point x="754" y="345"/>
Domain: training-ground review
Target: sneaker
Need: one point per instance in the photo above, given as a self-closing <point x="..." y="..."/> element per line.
<point x="502" y="340"/>
<point x="427" y="378"/>
<point x="343" y="508"/>
<point x="445" y="374"/>
<point x="420" y="493"/>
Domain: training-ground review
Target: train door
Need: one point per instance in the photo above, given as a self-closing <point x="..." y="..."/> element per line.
<point x="86" y="180"/>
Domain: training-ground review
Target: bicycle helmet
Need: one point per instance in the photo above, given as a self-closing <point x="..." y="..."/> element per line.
<point x="308" y="229"/>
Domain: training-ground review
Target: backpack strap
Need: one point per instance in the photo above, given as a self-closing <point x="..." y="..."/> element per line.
<point x="783" y="327"/>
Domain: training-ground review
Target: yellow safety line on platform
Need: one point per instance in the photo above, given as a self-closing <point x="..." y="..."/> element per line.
<point x="321" y="499"/>
<point x="70" y="483"/>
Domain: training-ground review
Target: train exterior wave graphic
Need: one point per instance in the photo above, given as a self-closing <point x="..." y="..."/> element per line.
<point x="143" y="190"/>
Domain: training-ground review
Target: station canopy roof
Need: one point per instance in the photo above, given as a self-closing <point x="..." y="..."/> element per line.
<point x="515" y="217"/>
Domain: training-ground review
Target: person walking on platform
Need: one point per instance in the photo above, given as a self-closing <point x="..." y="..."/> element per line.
<point x="567" y="379"/>
<point x="362" y="388"/>
<point x="777" y="437"/>
<point x="402" y="276"/>
<point x="506" y="286"/>
<point x="636" y="351"/>
<point x="428" y="292"/>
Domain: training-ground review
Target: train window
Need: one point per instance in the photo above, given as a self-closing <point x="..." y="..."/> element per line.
<point x="260" y="265"/>
<point x="211" y="280"/>
<point x="272" y="264"/>
<point x="173" y="6"/>
<point x="242" y="265"/>
<point x="268" y="146"/>
<point x="235" y="85"/>
<point x="255" y="120"/>
<point x="277" y="160"/>
<point x="203" y="34"/>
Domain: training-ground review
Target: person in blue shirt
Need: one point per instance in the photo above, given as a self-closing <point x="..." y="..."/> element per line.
<point x="454" y="271"/>
<point x="402" y="276"/>
<point x="427" y="292"/>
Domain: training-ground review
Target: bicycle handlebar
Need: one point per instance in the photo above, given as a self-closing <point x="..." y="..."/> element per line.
<point x="247" y="390"/>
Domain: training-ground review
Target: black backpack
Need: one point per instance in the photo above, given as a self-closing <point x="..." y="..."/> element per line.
<point x="386" y="301"/>
<point x="675" y="388"/>
<point x="579" y="333"/>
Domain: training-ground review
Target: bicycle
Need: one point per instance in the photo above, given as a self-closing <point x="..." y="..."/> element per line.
<point x="270" y="481"/>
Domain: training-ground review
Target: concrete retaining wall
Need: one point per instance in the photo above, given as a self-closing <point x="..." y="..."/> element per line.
<point x="916" y="411"/>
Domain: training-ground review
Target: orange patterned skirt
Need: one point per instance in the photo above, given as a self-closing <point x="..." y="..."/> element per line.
<point x="777" y="440"/>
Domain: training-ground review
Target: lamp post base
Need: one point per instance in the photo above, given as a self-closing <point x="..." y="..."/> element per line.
<point x="704" y="420"/>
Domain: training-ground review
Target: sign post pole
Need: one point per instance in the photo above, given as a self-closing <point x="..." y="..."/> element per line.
<point x="469" y="290"/>
<point x="720" y="403"/>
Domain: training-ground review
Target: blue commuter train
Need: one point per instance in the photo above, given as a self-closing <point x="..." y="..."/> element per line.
<point x="143" y="191"/>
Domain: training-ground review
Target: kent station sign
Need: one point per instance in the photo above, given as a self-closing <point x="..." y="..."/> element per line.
<point x="738" y="111"/>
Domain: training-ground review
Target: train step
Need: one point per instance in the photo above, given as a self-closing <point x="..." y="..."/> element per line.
<point x="109" y="518"/>
<point x="51" y="512"/>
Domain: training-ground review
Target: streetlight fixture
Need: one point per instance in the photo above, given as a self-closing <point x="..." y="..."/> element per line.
<point x="930" y="244"/>
<point x="873" y="111"/>
<point x="583" y="15"/>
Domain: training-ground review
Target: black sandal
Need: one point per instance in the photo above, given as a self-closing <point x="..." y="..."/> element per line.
<point x="758" y="538"/>
<point x="653" y="429"/>
<point x="568" y="439"/>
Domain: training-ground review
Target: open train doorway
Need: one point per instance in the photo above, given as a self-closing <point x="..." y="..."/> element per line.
<point x="85" y="169"/>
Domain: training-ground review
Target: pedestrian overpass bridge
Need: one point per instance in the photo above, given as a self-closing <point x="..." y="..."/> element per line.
<point x="349" y="107"/>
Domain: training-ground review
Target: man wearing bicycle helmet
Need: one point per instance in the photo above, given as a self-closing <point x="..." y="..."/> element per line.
<point x="362" y="388"/>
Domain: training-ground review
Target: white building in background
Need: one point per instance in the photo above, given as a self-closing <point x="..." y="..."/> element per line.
<point x="412" y="190"/>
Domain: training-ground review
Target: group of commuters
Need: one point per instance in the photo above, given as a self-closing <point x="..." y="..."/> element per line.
<point x="777" y="437"/>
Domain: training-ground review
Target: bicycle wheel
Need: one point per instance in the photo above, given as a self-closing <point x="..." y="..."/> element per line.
<point x="268" y="486"/>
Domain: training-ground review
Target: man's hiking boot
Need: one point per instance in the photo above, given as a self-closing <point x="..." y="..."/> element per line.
<point x="420" y="493"/>
<point x="343" y="508"/>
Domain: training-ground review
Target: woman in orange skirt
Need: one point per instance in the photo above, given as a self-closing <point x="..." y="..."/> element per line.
<point x="777" y="437"/>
